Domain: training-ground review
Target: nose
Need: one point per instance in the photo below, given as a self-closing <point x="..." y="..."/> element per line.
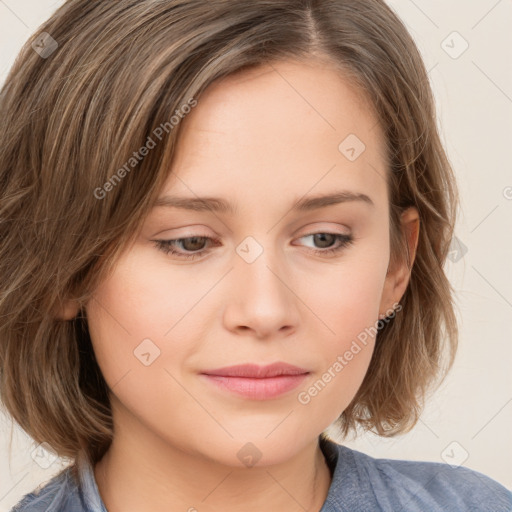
<point x="261" y="297"/>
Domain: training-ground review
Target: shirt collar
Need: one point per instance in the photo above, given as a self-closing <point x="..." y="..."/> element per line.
<point x="350" y="487"/>
<point x="88" y="489"/>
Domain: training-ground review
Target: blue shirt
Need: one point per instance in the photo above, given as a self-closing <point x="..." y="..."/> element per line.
<point x="360" y="483"/>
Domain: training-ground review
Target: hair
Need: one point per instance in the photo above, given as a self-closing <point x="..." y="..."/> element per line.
<point x="72" y="118"/>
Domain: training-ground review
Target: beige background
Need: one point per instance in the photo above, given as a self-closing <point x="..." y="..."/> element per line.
<point x="469" y="420"/>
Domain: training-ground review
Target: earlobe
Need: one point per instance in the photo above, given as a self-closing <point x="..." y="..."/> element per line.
<point x="397" y="279"/>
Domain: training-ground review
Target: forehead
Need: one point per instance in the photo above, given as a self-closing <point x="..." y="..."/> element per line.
<point x="289" y="126"/>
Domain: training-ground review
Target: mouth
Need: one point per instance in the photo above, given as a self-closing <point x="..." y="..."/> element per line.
<point x="254" y="371"/>
<point x="256" y="382"/>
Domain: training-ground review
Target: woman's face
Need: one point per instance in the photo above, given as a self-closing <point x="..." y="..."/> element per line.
<point x="264" y="285"/>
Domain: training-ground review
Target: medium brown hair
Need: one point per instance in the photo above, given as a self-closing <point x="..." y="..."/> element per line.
<point x="72" y="119"/>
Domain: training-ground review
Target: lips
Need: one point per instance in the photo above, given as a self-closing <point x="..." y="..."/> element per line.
<point x="254" y="371"/>
<point x="255" y="382"/>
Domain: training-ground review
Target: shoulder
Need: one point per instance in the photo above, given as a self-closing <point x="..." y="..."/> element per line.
<point x="419" y="485"/>
<point x="60" y="494"/>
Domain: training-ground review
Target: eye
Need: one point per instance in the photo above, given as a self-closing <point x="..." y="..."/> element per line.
<point x="326" y="239"/>
<point x="191" y="243"/>
<point x="197" y="244"/>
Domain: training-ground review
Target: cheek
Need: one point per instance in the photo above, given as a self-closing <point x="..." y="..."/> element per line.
<point x="140" y="302"/>
<point x="347" y="299"/>
<point x="143" y="323"/>
<point x="141" y="366"/>
<point x="145" y="300"/>
<point x="348" y="303"/>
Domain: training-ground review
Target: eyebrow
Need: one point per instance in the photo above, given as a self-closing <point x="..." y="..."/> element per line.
<point x="216" y="204"/>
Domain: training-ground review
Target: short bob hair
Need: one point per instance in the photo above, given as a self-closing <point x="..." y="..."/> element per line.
<point x="85" y="95"/>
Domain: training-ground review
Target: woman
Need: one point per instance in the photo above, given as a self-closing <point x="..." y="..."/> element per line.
<point x="225" y="229"/>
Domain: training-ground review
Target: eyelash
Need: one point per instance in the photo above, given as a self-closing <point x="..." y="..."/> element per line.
<point x="167" y="245"/>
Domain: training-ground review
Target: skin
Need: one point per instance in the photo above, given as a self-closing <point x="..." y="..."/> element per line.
<point x="262" y="140"/>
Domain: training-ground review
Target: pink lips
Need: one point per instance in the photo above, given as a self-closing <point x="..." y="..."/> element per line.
<point x="257" y="382"/>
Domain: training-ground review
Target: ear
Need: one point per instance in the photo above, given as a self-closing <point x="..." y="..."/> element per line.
<point x="398" y="278"/>
<point x="68" y="310"/>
